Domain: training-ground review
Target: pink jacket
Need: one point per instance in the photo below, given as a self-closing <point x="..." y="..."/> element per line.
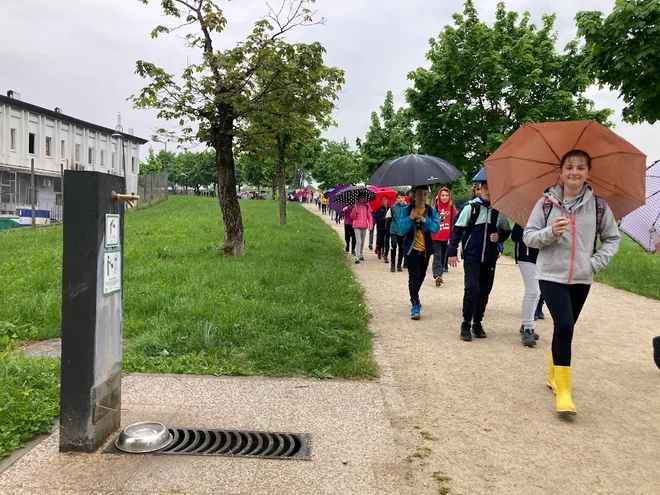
<point x="362" y="218"/>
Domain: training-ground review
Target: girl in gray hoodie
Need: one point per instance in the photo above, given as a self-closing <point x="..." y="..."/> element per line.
<point x="563" y="226"/>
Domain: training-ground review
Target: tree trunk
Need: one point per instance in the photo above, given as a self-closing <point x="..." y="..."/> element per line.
<point x="229" y="206"/>
<point x="281" y="185"/>
<point x="274" y="185"/>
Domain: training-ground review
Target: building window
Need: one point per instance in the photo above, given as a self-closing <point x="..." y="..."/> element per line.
<point x="77" y="153"/>
<point x="31" y="139"/>
<point x="90" y="156"/>
<point x="114" y="160"/>
<point x="133" y="164"/>
<point x="49" y="144"/>
<point x="102" y="160"/>
<point x="12" y="140"/>
<point x="62" y="149"/>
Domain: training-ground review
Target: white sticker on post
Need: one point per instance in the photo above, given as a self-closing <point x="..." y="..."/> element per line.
<point x="111" y="272"/>
<point x="111" y="230"/>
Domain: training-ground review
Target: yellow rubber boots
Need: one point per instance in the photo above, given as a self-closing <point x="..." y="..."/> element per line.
<point x="552" y="384"/>
<point x="564" y="401"/>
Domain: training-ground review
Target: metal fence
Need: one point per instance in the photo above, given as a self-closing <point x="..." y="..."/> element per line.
<point x="152" y="189"/>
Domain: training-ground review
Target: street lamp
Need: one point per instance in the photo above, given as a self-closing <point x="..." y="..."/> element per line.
<point x="156" y="140"/>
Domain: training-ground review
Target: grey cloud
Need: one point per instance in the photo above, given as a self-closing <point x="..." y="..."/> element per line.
<point x="80" y="54"/>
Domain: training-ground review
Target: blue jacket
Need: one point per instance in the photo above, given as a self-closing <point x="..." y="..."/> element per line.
<point x="523" y="252"/>
<point x="408" y="228"/>
<point x="398" y="212"/>
<point x="478" y="247"/>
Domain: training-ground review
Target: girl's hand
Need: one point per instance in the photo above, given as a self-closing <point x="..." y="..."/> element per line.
<point x="559" y="226"/>
<point x="453" y="261"/>
<point x="494" y="237"/>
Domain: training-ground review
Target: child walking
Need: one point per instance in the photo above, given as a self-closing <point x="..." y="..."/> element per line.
<point x="479" y="227"/>
<point x="564" y="226"/>
<point x="349" y="233"/>
<point x="446" y="214"/>
<point x="525" y="257"/>
<point x="419" y="223"/>
<point x="382" y="234"/>
<point x="362" y="221"/>
<point x="397" y="212"/>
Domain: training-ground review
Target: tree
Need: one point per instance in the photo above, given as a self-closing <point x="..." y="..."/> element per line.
<point x="389" y="136"/>
<point x="337" y="164"/>
<point x="300" y="106"/>
<point x="212" y="97"/>
<point x="155" y="162"/>
<point x="623" y="51"/>
<point x="484" y="82"/>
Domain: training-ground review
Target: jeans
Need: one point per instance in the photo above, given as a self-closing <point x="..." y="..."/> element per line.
<point x="479" y="278"/>
<point x="532" y="293"/>
<point x="397" y="242"/>
<point x="361" y="236"/>
<point x="418" y="263"/>
<point x="565" y="303"/>
<point x="439" y="258"/>
<point x="349" y="237"/>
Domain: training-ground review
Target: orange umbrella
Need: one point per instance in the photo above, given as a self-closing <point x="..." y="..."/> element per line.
<point x="527" y="163"/>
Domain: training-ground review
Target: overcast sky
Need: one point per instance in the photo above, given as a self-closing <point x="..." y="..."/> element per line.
<point x="80" y="54"/>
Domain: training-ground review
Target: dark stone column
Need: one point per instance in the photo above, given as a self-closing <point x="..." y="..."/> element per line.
<point x="91" y="311"/>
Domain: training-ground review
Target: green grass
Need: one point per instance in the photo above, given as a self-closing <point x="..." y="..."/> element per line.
<point x="291" y="306"/>
<point x="632" y="269"/>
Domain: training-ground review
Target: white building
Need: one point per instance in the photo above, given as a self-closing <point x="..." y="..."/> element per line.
<point x="56" y="142"/>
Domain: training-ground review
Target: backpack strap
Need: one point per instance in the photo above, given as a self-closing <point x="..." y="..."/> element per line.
<point x="601" y="208"/>
<point x="547" y="208"/>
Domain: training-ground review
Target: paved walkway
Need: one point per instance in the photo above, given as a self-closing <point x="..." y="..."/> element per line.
<point x="479" y="412"/>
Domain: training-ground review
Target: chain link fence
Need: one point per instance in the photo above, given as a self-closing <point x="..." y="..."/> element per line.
<point x="152" y="189"/>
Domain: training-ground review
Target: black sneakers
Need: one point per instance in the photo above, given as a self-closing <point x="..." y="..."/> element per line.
<point x="466" y="335"/>
<point x="656" y="351"/>
<point x="478" y="330"/>
<point x="534" y="334"/>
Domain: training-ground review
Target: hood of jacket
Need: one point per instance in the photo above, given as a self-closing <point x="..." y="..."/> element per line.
<point x="439" y="203"/>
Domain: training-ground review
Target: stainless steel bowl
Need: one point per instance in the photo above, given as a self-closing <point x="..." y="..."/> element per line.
<point x="147" y="436"/>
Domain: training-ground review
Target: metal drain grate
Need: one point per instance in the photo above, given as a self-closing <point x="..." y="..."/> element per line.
<point x="233" y="443"/>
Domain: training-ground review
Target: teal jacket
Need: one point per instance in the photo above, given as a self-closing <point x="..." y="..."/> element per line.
<point x="398" y="212"/>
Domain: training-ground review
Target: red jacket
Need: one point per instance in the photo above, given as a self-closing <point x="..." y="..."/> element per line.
<point x="446" y="214"/>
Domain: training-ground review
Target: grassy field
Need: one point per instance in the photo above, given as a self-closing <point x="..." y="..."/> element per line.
<point x="632" y="269"/>
<point x="290" y="307"/>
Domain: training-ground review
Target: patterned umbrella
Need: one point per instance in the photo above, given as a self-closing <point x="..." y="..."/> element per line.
<point x="643" y="224"/>
<point x="331" y="198"/>
<point x="349" y="196"/>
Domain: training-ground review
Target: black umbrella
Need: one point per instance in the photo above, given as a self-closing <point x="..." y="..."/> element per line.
<point x="349" y="196"/>
<point x="415" y="170"/>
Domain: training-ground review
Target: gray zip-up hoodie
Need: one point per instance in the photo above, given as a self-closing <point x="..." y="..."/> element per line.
<point x="570" y="258"/>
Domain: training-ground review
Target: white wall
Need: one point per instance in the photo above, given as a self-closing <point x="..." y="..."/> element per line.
<point x="25" y="122"/>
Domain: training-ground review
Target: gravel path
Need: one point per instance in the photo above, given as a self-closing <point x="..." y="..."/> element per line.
<point x="476" y="417"/>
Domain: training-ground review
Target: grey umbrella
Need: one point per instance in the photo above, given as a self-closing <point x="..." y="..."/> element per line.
<point x="416" y="170"/>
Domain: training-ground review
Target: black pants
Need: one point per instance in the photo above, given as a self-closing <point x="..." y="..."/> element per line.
<point x="418" y="263"/>
<point x="439" y="258"/>
<point x="396" y="242"/>
<point x="383" y="241"/>
<point x="565" y="303"/>
<point x="349" y="237"/>
<point x="324" y="209"/>
<point x="479" y="279"/>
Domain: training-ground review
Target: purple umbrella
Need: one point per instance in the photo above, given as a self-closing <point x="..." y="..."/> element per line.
<point x="333" y="204"/>
<point x="643" y="224"/>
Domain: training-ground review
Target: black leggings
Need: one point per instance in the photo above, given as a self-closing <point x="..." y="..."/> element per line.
<point x="396" y="242"/>
<point x="383" y="241"/>
<point x="565" y="303"/>
<point x="349" y="237"/>
<point x="418" y="263"/>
